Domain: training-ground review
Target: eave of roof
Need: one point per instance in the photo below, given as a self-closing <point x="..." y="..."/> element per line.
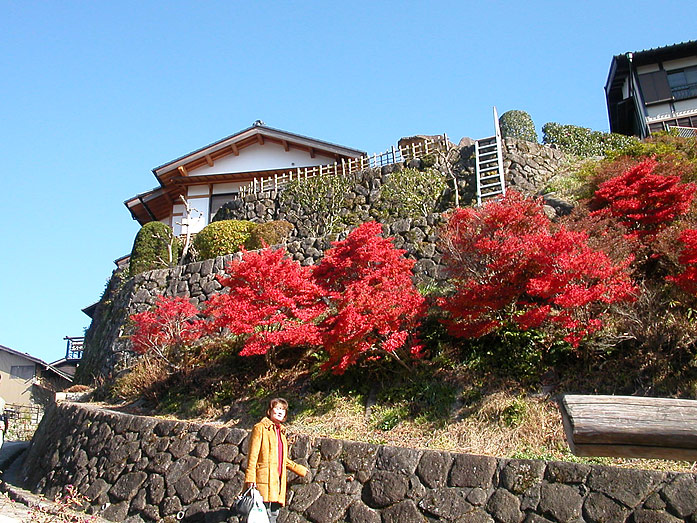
<point x="665" y="52"/>
<point x="251" y="131"/>
<point x="90" y="309"/>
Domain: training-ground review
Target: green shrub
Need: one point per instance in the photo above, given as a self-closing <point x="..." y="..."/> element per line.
<point x="428" y="161"/>
<point x="269" y="233"/>
<point x="322" y="198"/>
<point x="665" y="147"/>
<point x="517" y="124"/>
<point x="155" y="247"/>
<point x="220" y="238"/>
<point x="584" y="142"/>
<point x="413" y="192"/>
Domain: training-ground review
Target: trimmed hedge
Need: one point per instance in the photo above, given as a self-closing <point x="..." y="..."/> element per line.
<point x="155" y="247"/>
<point x="584" y="142"/>
<point x="269" y="233"/>
<point x="517" y="124"/>
<point x="223" y="237"/>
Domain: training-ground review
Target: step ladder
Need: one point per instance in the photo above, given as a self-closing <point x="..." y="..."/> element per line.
<point x="489" y="166"/>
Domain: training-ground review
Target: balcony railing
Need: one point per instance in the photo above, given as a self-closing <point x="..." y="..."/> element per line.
<point x="73" y="350"/>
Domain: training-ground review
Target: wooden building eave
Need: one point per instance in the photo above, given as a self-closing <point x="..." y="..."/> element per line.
<point x="255" y="135"/>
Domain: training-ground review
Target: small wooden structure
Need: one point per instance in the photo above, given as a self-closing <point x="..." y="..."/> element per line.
<point x="630" y="426"/>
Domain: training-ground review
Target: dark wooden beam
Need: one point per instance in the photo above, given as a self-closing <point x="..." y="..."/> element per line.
<point x="630" y="426"/>
<point x="209" y="160"/>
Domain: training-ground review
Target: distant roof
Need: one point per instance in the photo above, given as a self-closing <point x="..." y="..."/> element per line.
<point x="666" y="52"/>
<point x="254" y="130"/>
<point x="36" y="360"/>
<point x="619" y="67"/>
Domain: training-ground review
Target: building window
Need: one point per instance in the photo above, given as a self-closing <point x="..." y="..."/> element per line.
<point x="683" y="83"/>
<point x="218" y="200"/>
<point x="23" y="372"/>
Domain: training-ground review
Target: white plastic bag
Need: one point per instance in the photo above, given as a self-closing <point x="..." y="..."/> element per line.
<point x="258" y="513"/>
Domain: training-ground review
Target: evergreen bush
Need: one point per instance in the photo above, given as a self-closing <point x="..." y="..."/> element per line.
<point x="223" y="237"/>
<point x="584" y="142"/>
<point x="155" y="247"/>
<point x="517" y="124"/>
<point x="269" y="233"/>
<point x="413" y="193"/>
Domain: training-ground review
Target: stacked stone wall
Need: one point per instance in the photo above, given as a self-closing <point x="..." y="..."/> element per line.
<point x="136" y="468"/>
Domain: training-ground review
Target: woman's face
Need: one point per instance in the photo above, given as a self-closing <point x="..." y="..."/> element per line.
<point x="278" y="413"/>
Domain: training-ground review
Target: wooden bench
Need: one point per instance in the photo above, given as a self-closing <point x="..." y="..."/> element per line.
<point x="630" y="426"/>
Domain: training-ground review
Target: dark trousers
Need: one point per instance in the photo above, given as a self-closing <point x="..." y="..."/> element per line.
<point x="272" y="511"/>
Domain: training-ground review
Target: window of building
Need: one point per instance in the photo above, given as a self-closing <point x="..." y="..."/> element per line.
<point x="683" y="83"/>
<point x="218" y="200"/>
<point x="24" y="372"/>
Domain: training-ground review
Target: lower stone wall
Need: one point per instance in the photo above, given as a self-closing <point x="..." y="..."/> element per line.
<point x="136" y="468"/>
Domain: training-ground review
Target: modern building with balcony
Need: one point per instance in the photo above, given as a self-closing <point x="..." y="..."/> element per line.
<point x="654" y="90"/>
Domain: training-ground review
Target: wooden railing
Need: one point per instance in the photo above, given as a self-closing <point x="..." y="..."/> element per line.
<point x="350" y="166"/>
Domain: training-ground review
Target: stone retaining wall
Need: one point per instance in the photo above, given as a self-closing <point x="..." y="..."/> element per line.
<point x="136" y="469"/>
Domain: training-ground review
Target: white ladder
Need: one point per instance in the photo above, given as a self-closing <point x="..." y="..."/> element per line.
<point x="489" y="165"/>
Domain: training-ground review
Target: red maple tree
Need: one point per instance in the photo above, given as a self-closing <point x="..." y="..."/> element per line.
<point x="687" y="279"/>
<point x="642" y="198"/>
<point x="510" y="264"/>
<point x="170" y="325"/>
<point x="374" y="305"/>
<point x="270" y="299"/>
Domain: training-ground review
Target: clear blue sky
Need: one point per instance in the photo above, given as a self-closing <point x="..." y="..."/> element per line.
<point x="93" y="95"/>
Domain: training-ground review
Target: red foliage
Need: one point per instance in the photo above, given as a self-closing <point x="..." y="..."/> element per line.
<point x="172" y="323"/>
<point x="643" y="199"/>
<point x="271" y="299"/>
<point x="509" y="263"/>
<point x="687" y="280"/>
<point x="374" y="304"/>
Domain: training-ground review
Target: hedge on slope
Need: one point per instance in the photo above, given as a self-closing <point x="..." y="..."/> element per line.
<point x="223" y="237"/>
<point x="155" y="247"/>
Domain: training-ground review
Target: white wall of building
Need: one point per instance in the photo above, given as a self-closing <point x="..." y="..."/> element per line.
<point x="262" y="158"/>
<point x="654" y="110"/>
<point x="680" y="63"/>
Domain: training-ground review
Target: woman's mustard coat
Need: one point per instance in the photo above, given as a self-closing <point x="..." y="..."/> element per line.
<point x="262" y="462"/>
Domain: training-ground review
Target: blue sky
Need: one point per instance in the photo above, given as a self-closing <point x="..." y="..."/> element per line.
<point x="95" y="94"/>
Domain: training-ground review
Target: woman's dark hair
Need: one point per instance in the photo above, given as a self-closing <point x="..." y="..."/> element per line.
<point x="277" y="401"/>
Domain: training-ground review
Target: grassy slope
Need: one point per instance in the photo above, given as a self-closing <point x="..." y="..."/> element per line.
<point x="454" y="408"/>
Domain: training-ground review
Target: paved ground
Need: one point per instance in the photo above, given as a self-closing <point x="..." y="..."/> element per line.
<point x="14" y="501"/>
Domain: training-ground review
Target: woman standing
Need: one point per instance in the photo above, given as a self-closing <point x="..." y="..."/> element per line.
<point x="268" y="458"/>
